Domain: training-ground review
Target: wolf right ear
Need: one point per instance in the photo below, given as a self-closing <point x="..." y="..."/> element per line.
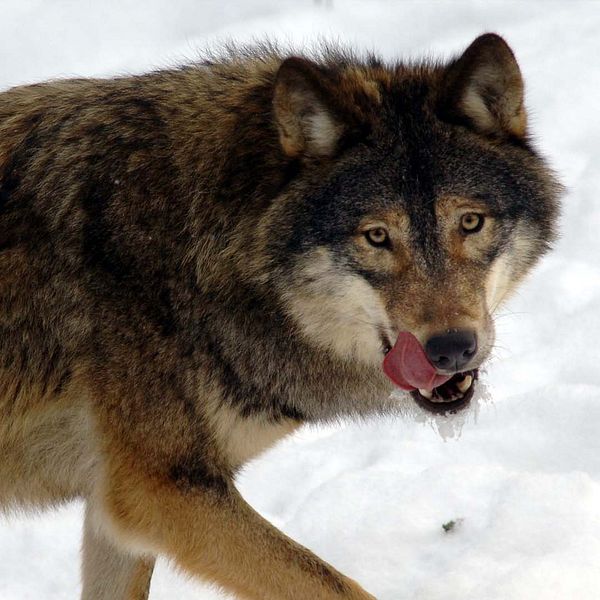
<point x="302" y="105"/>
<point x="484" y="89"/>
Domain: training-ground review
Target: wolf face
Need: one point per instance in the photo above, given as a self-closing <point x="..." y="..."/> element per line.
<point x="419" y="207"/>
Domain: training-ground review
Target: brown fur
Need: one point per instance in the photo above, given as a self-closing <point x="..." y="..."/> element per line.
<point x="156" y="330"/>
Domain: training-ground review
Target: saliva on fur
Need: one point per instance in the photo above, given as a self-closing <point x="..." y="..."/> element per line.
<point x="196" y="262"/>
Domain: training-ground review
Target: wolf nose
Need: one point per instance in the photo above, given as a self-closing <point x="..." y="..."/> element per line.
<point x="451" y="351"/>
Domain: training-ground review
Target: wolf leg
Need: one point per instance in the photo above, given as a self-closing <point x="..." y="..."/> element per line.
<point x="110" y="573"/>
<point x="212" y="533"/>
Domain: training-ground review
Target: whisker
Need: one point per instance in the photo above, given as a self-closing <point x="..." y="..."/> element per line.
<point x="357" y="319"/>
<point x="511" y="314"/>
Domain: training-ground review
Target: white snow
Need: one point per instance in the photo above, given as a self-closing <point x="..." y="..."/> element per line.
<point x="520" y="472"/>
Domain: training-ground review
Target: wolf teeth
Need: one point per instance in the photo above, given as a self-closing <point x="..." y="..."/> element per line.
<point x="465" y="384"/>
<point x="427" y="393"/>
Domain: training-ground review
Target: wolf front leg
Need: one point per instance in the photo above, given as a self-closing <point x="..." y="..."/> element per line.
<point x="212" y="533"/>
<point x="109" y="572"/>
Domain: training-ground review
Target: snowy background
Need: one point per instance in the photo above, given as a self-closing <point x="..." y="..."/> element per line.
<point x="520" y="472"/>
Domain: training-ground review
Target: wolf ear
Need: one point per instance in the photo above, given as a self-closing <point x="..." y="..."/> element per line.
<point x="484" y="89"/>
<point x="305" y="117"/>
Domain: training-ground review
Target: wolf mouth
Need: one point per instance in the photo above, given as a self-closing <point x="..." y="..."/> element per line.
<point x="451" y="396"/>
<point x="409" y="368"/>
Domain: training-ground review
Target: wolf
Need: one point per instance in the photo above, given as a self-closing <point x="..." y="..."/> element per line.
<point x="195" y="262"/>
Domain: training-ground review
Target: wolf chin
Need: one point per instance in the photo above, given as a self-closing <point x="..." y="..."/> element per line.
<point x="195" y="262"/>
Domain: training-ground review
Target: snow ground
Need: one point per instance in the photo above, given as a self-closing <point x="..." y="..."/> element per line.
<point x="522" y="468"/>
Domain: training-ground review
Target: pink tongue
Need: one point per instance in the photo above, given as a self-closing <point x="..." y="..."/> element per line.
<point x="408" y="367"/>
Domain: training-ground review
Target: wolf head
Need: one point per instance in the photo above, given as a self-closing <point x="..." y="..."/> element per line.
<point x="418" y="206"/>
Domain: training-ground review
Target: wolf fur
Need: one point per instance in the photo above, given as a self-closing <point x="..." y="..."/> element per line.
<point x="185" y="279"/>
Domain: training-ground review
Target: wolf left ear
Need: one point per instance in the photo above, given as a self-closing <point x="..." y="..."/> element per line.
<point x="484" y="89"/>
<point x="303" y="110"/>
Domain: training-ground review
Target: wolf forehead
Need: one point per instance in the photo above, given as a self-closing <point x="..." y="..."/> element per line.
<point x="385" y="185"/>
<point x="372" y="138"/>
<point x="406" y="183"/>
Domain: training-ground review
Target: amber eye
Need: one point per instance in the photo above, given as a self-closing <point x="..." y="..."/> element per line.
<point x="471" y="222"/>
<point x="378" y="237"/>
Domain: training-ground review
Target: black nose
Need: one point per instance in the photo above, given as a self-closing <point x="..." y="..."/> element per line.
<point x="451" y="351"/>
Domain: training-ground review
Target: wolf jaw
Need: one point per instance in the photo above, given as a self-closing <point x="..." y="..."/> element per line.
<point x="451" y="396"/>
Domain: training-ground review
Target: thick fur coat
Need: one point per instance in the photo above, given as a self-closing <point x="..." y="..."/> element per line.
<point x="189" y="272"/>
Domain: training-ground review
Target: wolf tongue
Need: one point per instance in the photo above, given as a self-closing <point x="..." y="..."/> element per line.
<point x="408" y="367"/>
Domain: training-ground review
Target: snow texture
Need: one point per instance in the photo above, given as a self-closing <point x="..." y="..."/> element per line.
<point x="520" y="472"/>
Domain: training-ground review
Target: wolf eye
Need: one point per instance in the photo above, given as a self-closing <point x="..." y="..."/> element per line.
<point x="471" y="222"/>
<point x="378" y="237"/>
